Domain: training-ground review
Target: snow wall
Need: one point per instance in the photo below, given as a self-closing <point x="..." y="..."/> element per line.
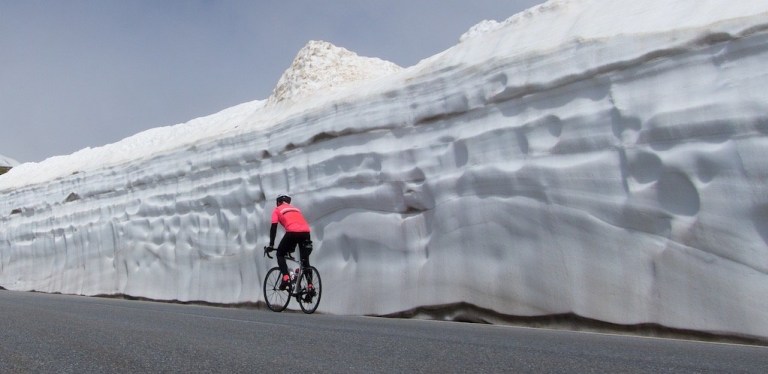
<point x="617" y="177"/>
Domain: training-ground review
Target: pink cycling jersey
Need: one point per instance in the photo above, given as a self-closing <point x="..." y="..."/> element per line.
<point x="290" y="217"/>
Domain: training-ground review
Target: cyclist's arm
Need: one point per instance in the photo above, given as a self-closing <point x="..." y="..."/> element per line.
<point x="272" y="234"/>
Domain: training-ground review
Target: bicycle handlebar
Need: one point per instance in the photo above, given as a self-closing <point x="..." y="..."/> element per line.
<point x="268" y="249"/>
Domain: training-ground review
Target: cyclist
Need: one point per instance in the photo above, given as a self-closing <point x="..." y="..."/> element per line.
<point x="296" y="233"/>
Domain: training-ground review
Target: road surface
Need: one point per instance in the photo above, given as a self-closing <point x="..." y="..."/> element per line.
<point x="74" y="334"/>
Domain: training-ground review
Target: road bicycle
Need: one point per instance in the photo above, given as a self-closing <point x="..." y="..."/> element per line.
<point x="308" y="298"/>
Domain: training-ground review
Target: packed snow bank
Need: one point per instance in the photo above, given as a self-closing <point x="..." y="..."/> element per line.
<point x="600" y="159"/>
<point x="142" y="146"/>
<point x="319" y="71"/>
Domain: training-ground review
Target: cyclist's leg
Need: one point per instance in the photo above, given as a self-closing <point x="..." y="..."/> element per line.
<point x="285" y="246"/>
<point x="305" y="250"/>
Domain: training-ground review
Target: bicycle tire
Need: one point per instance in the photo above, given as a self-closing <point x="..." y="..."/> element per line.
<point x="277" y="300"/>
<point x="309" y="303"/>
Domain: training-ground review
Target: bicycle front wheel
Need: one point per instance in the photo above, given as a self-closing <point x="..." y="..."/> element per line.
<point x="277" y="300"/>
<point x="309" y="290"/>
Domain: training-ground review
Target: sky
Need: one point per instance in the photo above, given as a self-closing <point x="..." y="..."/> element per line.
<point x="77" y="74"/>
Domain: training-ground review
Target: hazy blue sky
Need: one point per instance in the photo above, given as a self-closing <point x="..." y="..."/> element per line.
<point x="76" y="74"/>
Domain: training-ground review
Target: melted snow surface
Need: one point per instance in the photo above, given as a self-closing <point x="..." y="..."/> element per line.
<point x="600" y="158"/>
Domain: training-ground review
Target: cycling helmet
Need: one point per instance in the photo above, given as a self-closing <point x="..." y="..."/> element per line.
<point x="283" y="199"/>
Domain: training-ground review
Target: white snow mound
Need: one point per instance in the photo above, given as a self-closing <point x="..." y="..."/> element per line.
<point x="321" y="67"/>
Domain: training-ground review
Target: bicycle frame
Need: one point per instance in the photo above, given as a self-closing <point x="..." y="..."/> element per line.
<point x="295" y="276"/>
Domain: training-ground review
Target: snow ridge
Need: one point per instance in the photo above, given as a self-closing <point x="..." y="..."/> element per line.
<point x="487" y="26"/>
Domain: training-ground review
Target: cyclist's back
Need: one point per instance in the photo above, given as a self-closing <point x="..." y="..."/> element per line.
<point x="296" y="233"/>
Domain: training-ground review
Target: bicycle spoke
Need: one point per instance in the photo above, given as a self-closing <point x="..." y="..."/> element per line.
<point x="309" y="296"/>
<point x="276" y="299"/>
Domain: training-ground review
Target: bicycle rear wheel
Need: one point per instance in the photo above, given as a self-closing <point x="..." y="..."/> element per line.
<point x="309" y="298"/>
<point x="277" y="300"/>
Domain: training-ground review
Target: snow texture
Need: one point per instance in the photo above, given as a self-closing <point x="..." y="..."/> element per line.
<point x="320" y="68"/>
<point x="596" y="158"/>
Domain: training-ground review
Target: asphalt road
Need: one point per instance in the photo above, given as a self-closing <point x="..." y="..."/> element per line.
<point x="71" y="334"/>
